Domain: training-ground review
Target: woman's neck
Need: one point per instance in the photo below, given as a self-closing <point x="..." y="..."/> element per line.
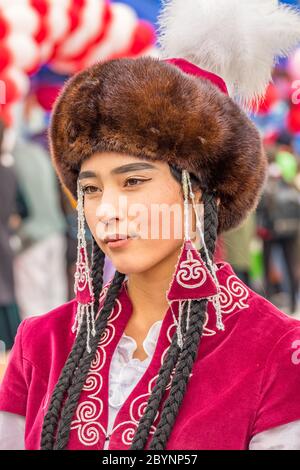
<point x="147" y="292"/>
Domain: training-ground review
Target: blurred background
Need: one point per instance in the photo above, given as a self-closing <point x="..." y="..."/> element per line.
<point x="43" y="43"/>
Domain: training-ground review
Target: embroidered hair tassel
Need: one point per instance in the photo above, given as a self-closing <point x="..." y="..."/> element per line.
<point x="213" y="269"/>
<point x="83" y="283"/>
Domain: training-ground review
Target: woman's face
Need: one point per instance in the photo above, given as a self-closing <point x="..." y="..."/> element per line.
<point x="134" y="209"/>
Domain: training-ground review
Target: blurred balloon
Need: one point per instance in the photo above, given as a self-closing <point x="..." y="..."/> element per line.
<point x="12" y="92"/>
<point x="20" y="78"/>
<point x="67" y="35"/>
<point x="25" y="52"/>
<point x="271" y="97"/>
<point x="6" y="56"/>
<point x="6" y="115"/>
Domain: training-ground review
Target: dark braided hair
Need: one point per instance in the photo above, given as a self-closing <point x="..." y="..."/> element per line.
<point x="57" y="423"/>
<point x="190" y="345"/>
<point x="52" y="416"/>
<point x="186" y="357"/>
<point x="84" y="366"/>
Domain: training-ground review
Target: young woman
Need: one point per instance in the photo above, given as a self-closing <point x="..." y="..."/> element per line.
<point x="175" y="352"/>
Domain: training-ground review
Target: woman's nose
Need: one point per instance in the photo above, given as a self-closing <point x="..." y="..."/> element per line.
<point x="106" y="214"/>
<point x="111" y="208"/>
<point x="108" y="221"/>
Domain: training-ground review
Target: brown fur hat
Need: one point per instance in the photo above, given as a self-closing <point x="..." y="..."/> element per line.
<point x="150" y="109"/>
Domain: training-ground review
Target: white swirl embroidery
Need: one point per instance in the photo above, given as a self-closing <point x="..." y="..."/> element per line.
<point x="88" y="412"/>
<point x="81" y="275"/>
<point x="138" y="405"/>
<point x="233" y="296"/>
<point x="191" y="270"/>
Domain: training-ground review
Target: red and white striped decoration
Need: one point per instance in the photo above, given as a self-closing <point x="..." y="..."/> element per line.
<point x="67" y="35"/>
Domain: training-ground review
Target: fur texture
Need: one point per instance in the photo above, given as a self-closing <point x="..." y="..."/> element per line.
<point x="150" y="109"/>
<point x="236" y="39"/>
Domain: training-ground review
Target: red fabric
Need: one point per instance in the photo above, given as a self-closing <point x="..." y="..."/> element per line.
<point x="84" y="293"/>
<point x="193" y="69"/>
<point x="245" y="380"/>
<point x="190" y="274"/>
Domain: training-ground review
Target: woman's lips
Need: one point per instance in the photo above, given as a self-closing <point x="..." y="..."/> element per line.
<point x="118" y="243"/>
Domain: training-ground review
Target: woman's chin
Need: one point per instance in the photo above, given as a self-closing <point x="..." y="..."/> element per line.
<point x="134" y="259"/>
<point x="131" y="264"/>
<point x="129" y="268"/>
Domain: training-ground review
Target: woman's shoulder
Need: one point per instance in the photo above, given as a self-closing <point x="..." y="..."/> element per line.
<point x="276" y="341"/>
<point x="270" y="321"/>
<point x="49" y="332"/>
<point x="255" y="313"/>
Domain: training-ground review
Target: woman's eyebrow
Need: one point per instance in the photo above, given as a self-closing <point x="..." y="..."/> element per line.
<point x="132" y="167"/>
<point x="119" y="170"/>
<point x="87" y="174"/>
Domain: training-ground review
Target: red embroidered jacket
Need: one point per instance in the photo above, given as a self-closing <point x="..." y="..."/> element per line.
<point x="245" y="380"/>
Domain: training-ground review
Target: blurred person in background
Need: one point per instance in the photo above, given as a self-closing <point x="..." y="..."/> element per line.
<point x="278" y="219"/>
<point x="40" y="265"/>
<point x="237" y="246"/>
<point x="9" y="314"/>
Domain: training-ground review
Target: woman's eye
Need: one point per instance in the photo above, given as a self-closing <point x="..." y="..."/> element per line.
<point x="90" y="189"/>
<point x="134" y="181"/>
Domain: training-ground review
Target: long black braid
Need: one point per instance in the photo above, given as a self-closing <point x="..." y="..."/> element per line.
<point x="186" y="358"/>
<point x="189" y="350"/>
<point x="52" y="416"/>
<point x="81" y="372"/>
<point x="57" y="423"/>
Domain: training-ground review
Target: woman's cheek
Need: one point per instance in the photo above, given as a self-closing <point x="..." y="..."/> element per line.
<point x="91" y="220"/>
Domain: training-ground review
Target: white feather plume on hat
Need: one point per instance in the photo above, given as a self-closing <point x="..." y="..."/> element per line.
<point x="236" y="39"/>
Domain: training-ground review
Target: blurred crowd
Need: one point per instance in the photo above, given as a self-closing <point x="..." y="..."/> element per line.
<point x="265" y="251"/>
<point x="38" y="220"/>
<point x="38" y="227"/>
